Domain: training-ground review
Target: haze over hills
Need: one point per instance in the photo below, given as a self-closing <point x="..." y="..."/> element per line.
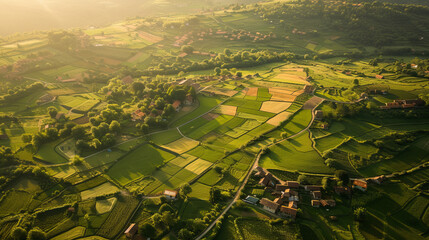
<point x="31" y="15"/>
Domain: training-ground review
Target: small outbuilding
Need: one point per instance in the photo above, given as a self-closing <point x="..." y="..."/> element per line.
<point x="131" y="231"/>
<point x="171" y="194"/>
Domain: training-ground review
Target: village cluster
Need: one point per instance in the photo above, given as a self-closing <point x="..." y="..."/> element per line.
<point x="287" y="193"/>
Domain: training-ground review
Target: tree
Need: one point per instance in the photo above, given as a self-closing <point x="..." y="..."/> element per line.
<point x="115" y="127"/>
<point x="239" y="74"/>
<point x="185" y="234"/>
<point x="327" y="183"/>
<point x="166" y="208"/>
<point x="26" y="138"/>
<point x="187" y="49"/>
<point x="137" y="87"/>
<point x="185" y="189"/>
<point x="77" y="160"/>
<point x="19" y="233"/>
<point x="144" y="128"/>
<point x="217" y="71"/>
<point x="215" y="195"/>
<point x="283" y="135"/>
<point x="342" y="176"/>
<point x="360" y="214"/>
<point x="303" y="179"/>
<point x="36" y="234"/>
<point x="167" y="218"/>
<point x="52" y="111"/>
<point x="218" y="169"/>
<point x="157" y="221"/>
<point x="147" y="230"/>
<point x="78" y="132"/>
<point x="356" y="82"/>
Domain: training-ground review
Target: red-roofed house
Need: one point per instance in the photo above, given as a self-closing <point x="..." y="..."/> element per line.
<point x="127" y="80"/>
<point x="292" y="184"/>
<point x="328" y="203"/>
<point x="176" y="105"/>
<point x="360" y="184"/>
<point x="269" y="205"/>
<point x="171" y="194"/>
<point x="137" y="115"/>
<point x="288" y="212"/>
<point x="379" y="76"/>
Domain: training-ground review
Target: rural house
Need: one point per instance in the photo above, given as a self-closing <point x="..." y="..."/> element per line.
<point x="137" y="115"/>
<point x="176" y="105"/>
<point x="293" y="204"/>
<point x="171" y="194"/>
<point x="341" y="190"/>
<point x="315" y="203"/>
<point x="266" y="181"/>
<point x="281" y="187"/>
<point x="131" y="231"/>
<point x="251" y="200"/>
<point x="189" y="100"/>
<point x="312" y="188"/>
<point x="279" y="201"/>
<point x="316" y="195"/>
<point x="269" y="205"/>
<point x="360" y="184"/>
<point x="328" y="203"/>
<point x="292" y="184"/>
<point x="288" y="212"/>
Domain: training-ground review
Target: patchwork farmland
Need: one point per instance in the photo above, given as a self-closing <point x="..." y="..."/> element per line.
<point x="258" y="121"/>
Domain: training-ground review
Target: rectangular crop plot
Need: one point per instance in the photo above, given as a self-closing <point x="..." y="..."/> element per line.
<point x="206" y="153"/>
<point x="253" y="91"/>
<point x="279" y="118"/>
<point x="200" y="191"/>
<point x="183" y="160"/>
<point x="182" y="145"/>
<point x="103" y="189"/>
<point x="274" y="106"/>
<point x="227" y="110"/>
<point x="165" y="136"/>
<point x="286" y="156"/>
<point x="140" y="162"/>
<point x="210" y="126"/>
<point x="198" y="166"/>
<point x="282" y="94"/>
<point x="289" y="78"/>
<point x="74" y="233"/>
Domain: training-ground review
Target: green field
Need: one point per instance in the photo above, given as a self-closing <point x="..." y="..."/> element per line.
<point x="103" y="189"/>
<point x="205" y="104"/>
<point x="140" y="162"/>
<point x="290" y="155"/>
<point x="14" y="201"/>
